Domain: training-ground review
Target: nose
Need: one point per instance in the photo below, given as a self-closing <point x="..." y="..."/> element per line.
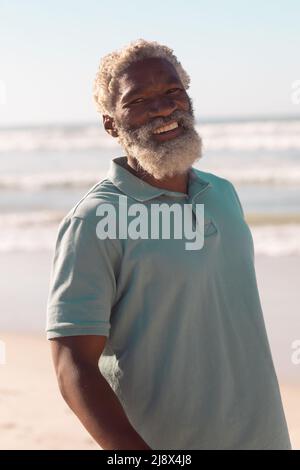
<point x="161" y="107"/>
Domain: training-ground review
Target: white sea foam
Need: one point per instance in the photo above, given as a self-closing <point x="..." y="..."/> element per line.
<point x="35" y="182"/>
<point x="29" y="231"/>
<point x="249" y="136"/>
<point x="278" y="240"/>
<point x="37" y="231"/>
<point x="261" y="152"/>
<point x="268" y="175"/>
<point x="280" y="175"/>
<point x="54" y="139"/>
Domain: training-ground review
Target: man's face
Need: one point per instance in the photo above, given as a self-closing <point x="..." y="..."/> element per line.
<point x="151" y="96"/>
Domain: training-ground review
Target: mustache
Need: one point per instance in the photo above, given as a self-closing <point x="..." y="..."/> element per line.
<point x="184" y="119"/>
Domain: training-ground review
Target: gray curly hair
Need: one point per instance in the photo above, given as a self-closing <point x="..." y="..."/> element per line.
<point x="112" y="65"/>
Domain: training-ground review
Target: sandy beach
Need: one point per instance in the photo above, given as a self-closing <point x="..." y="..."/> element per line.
<point x="33" y="414"/>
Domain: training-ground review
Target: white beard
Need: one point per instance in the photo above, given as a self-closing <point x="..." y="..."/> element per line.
<point x="163" y="159"/>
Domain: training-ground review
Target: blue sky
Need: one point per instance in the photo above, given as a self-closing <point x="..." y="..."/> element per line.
<point x="242" y="56"/>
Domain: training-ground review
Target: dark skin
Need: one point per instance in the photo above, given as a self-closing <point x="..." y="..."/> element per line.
<point x="89" y="395"/>
<point x="148" y="89"/>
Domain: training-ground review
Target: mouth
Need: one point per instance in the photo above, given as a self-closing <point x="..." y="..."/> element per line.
<point x="168" y="131"/>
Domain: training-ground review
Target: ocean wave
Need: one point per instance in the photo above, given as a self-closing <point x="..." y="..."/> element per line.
<point x="36" y="182"/>
<point x="279" y="240"/>
<point x="29" y="231"/>
<point x="54" y="139"/>
<point x="37" y="231"/>
<point x="247" y="136"/>
<point x="268" y="175"/>
<point x="31" y="219"/>
<point x="288" y="176"/>
<point x="250" y="136"/>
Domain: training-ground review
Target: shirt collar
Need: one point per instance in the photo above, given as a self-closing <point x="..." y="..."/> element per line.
<point x="140" y="190"/>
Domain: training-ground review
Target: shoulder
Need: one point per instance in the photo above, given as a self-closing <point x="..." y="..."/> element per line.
<point x="103" y="192"/>
<point x="215" y="180"/>
<point x="222" y="188"/>
<point x="80" y="223"/>
<point x="78" y="229"/>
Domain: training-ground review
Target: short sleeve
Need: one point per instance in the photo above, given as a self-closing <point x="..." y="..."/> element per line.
<point x="83" y="281"/>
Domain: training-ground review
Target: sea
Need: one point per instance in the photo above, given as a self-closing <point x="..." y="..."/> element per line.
<point x="45" y="170"/>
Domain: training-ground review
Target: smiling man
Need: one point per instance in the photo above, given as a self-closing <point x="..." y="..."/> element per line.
<point x="155" y="346"/>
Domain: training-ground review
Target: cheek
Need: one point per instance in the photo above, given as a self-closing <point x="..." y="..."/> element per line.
<point x="133" y="118"/>
<point x="137" y="117"/>
<point x="124" y="120"/>
<point x="184" y="104"/>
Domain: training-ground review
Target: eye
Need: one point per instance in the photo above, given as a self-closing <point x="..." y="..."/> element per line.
<point x="173" y="90"/>
<point x="137" y="101"/>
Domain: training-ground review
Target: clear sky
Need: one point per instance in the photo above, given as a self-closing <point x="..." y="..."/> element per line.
<point x="243" y="56"/>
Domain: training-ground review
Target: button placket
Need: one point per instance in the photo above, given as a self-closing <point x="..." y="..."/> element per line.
<point x="209" y="224"/>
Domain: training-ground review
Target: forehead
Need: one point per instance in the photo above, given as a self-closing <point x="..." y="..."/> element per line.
<point x="147" y="73"/>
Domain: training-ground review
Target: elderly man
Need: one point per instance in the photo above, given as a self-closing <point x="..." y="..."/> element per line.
<point x="156" y="346"/>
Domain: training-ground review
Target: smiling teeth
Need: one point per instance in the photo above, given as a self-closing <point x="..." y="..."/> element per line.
<point x="169" y="127"/>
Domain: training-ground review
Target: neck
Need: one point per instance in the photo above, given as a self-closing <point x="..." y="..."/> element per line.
<point x="178" y="183"/>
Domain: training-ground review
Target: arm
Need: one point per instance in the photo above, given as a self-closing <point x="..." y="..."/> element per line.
<point x="89" y="395"/>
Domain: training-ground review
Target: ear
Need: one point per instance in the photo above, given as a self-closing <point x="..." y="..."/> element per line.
<point x="109" y="125"/>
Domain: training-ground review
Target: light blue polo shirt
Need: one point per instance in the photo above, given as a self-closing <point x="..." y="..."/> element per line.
<point x="187" y="351"/>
